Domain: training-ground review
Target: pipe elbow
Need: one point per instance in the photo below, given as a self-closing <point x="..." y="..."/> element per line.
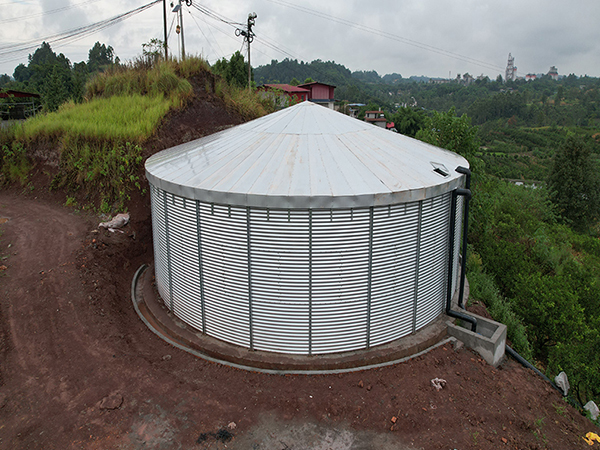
<point x="463" y="170"/>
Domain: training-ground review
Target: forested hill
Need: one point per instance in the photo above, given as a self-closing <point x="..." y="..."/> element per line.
<point x="357" y="87"/>
<point x="570" y="101"/>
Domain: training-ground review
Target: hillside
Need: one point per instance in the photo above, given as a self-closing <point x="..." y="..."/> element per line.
<point x="80" y="370"/>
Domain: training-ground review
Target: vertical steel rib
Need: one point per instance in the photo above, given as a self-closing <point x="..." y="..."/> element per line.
<point x="310" y="260"/>
<point x="249" y="250"/>
<point x="169" y="272"/>
<point x="369" y="277"/>
<point x="200" y="268"/>
<point x="417" y="257"/>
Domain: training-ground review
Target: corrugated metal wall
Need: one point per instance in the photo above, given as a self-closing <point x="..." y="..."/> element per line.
<point x="303" y="281"/>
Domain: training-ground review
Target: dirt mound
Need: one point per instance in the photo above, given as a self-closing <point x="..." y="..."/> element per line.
<point x="204" y="114"/>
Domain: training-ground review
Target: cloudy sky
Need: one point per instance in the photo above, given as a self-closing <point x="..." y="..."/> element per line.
<point x="438" y="38"/>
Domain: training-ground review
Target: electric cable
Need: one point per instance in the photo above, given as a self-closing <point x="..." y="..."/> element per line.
<point x="202" y="31"/>
<point x="205" y="10"/>
<point x="388" y="35"/>
<point x="52" y="11"/>
<point x="71" y="35"/>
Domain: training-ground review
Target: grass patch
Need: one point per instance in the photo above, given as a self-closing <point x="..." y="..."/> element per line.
<point x="122" y="118"/>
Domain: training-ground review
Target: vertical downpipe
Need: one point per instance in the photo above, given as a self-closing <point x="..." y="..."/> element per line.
<point x="451" y="233"/>
<point x="370" y="277"/>
<point x="169" y="271"/>
<point x="417" y="257"/>
<point x="310" y="260"/>
<point x="249" y="249"/>
<point x="467" y="173"/>
<point x="200" y="266"/>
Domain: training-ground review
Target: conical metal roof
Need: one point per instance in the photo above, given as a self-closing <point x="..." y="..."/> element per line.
<point x="305" y="156"/>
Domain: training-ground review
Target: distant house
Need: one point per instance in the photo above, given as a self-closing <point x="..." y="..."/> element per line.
<point x="376" y="118"/>
<point x="285" y="94"/>
<point x="320" y="93"/>
<point x="353" y="109"/>
<point x="553" y="73"/>
<point x="530" y="77"/>
<point x="20" y="107"/>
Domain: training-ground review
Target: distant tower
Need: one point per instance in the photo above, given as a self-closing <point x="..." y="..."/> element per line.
<point x="511" y="70"/>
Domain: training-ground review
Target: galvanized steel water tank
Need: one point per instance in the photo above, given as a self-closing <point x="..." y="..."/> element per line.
<point x="305" y="231"/>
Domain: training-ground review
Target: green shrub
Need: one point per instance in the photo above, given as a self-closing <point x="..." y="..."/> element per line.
<point x="14" y="163"/>
<point x="484" y="289"/>
<point x="103" y="170"/>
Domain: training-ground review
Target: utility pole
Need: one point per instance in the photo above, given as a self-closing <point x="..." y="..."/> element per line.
<point x="248" y="37"/>
<point x="165" y="27"/>
<point x="179" y="29"/>
<point x="182" y="39"/>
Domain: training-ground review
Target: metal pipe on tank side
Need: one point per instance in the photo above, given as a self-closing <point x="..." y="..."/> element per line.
<point x="449" y="310"/>
<point x="467" y="172"/>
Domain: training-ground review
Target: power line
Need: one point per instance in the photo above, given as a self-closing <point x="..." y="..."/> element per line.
<point x="206" y="38"/>
<point x="52" y="11"/>
<point x="388" y="35"/>
<point x="214" y="15"/>
<point x="71" y="35"/>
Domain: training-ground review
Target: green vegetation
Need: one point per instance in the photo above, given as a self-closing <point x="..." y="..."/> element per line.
<point x="575" y="184"/>
<point x="121" y="118"/>
<point x="55" y="78"/>
<point x="234" y="71"/>
<point x="109" y="170"/>
<point x="243" y="101"/>
<point x="448" y="131"/>
<point x="100" y="139"/>
<point x="14" y="164"/>
<point x="543" y="274"/>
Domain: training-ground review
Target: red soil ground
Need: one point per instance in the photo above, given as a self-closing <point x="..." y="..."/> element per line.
<point x="79" y="370"/>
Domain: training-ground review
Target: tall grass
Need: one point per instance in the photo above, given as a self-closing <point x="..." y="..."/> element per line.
<point x="245" y="102"/>
<point x="166" y="78"/>
<point x="119" y="118"/>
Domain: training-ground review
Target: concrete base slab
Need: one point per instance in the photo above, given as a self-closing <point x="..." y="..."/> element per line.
<point x="489" y="341"/>
<point x="155" y="314"/>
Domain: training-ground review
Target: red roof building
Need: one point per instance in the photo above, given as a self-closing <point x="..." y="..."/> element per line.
<point x="287" y="93"/>
<point x="320" y="93"/>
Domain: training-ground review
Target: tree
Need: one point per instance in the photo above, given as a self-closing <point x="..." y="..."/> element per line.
<point x="294" y="82"/>
<point x="451" y="132"/>
<point x="409" y="121"/>
<point x="100" y="56"/>
<point x="308" y="80"/>
<point x="573" y="183"/>
<point x="56" y="93"/>
<point x="153" y="51"/>
<point x="235" y="71"/>
<point x="4" y="79"/>
<point x="21" y="73"/>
